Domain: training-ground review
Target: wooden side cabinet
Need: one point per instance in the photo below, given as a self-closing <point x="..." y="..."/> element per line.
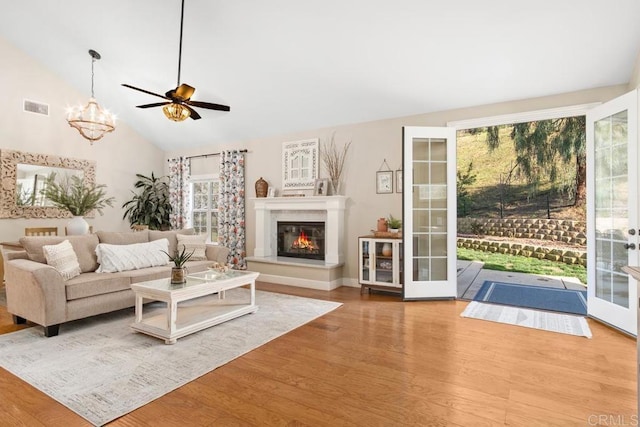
<point x="380" y="263"/>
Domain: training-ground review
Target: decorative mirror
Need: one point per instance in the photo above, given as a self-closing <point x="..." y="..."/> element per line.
<point x="25" y="174"/>
<point x="300" y="164"/>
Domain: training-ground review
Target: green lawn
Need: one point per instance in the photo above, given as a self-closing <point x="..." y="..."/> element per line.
<point x="502" y="262"/>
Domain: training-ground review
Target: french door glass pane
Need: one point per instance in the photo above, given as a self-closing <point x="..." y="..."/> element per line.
<point x="429" y="186"/>
<point x="611" y="213"/>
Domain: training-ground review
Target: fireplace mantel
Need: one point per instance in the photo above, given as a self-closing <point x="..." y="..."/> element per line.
<point x="331" y="209"/>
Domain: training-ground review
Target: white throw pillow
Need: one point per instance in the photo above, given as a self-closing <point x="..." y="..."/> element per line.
<point x="195" y="243"/>
<point x="63" y="258"/>
<point x="113" y="258"/>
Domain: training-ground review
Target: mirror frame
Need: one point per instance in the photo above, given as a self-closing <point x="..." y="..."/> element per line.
<point x="9" y="160"/>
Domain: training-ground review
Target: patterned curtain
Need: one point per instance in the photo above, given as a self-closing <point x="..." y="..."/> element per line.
<point x="179" y="195"/>
<point x="231" y="231"/>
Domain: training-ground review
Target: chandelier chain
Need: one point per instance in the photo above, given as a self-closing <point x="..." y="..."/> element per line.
<point x="93" y="60"/>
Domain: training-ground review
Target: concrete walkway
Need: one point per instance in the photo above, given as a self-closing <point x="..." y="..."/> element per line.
<point x="471" y="276"/>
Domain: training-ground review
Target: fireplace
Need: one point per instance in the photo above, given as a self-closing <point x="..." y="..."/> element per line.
<point x="301" y="239"/>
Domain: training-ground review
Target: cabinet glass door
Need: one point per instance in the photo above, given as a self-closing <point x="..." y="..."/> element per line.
<point x="365" y="261"/>
<point x="384" y="262"/>
<point x="429" y="212"/>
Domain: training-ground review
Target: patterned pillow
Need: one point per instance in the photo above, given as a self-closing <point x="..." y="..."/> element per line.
<point x="63" y="258"/>
<point x="113" y="258"/>
<point x="195" y="243"/>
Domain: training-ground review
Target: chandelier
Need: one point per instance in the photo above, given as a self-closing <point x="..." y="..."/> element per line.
<point x="91" y="120"/>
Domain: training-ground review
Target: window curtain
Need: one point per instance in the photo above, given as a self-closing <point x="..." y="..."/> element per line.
<point x="231" y="230"/>
<point x="179" y="192"/>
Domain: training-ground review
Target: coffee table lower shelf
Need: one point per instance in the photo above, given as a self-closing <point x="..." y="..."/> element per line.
<point x="191" y="319"/>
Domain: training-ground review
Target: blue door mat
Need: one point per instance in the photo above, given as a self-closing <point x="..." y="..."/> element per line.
<point x="537" y="297"/>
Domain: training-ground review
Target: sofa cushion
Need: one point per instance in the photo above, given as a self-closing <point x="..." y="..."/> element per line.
<point x="84" y="246"/>
<point x="194" y="243"/>
<point x="113" y="258"/>
<point x="92" y="284"/>
<point x="62" y="258"/>
<point x="171" y="236"/>
<point x="151" y="273"/>
<point x="197" y="266"/>
<point x="123" y="238"/>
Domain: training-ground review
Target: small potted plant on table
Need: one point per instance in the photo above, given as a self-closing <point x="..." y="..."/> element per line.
<point x="179" y="271"/>
<point x="394" y="224"/>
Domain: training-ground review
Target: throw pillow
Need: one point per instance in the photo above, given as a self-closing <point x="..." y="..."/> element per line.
<point x="170" y="235"/>
<point x="114" y="258"/>
<point x="195" y="243"/>
<point x="63" y="258"/>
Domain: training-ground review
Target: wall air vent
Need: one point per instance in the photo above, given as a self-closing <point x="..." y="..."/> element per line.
<point x="36" y="107"/>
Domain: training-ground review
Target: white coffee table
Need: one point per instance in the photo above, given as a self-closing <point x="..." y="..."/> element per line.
<point x="188" y="318"/>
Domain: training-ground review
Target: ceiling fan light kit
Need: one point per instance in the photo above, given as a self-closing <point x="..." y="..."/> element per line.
<point x="177" y="106"/>
<point x="92" y="121"/>
<point x="176" y="112"/>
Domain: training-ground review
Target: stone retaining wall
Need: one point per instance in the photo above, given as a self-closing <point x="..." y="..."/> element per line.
<point x="567" y="231"/>
<point x="568" y="256"/>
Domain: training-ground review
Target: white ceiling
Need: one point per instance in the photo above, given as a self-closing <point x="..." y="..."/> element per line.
<point x="290" y="65"/>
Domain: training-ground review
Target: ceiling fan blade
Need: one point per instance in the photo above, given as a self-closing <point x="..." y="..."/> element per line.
<point x="157" y="104"/>
<point x="142" y="90"/>
<point x="209" y="105"/>
<point x="184" y="91"/>
<point x="194" y="114"/>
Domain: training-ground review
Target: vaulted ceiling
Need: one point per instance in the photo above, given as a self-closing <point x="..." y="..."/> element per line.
<point x="290" y="65"/>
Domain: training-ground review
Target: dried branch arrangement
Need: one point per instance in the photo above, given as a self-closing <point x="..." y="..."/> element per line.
<point x="333" y="160"/>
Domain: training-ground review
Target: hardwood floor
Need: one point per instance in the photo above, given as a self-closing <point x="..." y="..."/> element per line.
<point x="379" y="361"/>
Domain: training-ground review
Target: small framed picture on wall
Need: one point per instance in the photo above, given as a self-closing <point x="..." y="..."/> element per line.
<point x="399" y="182"/>
<point x="384" y="182"/>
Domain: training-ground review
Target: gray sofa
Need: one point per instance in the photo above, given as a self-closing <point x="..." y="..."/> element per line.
<point x="37" y="292"/>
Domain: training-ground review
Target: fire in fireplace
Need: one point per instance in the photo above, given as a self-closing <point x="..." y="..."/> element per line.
<point x="301" y="239"/>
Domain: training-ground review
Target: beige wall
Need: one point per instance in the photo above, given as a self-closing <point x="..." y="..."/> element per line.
<point x="634" y="81"/>
<point x="118" y="156"/>
<point x="372" y="143"/>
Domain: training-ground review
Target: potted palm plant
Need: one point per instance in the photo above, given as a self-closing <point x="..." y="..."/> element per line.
<point x="75" y="195"/>
<point x="179" y="271"/>
<point x="151" y="206"/>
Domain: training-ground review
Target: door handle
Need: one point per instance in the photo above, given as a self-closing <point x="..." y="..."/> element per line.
<point x="629" y="245"/>
<point x="632" y="231"/>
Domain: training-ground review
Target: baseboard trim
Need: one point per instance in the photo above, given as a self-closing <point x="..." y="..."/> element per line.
<point x="301" y="283"/>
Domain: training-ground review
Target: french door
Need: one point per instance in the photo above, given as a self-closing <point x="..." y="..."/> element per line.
<point x="429" y="212"/>
<point x="612" y="211"/>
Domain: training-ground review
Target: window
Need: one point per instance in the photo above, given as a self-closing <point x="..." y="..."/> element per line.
<point x="204" y="206"/>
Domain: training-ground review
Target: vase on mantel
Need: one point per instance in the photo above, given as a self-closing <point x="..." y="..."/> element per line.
<point x="336" y="187"/>
<point x="77" y="226"/>
<point x="262" y="188"/>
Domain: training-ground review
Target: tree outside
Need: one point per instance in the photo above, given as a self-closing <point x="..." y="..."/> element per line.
<point x="529" y="170"/>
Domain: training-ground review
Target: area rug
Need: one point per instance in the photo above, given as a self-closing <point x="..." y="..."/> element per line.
<point x="102" y="370"/>
<point x="537" y="297"/>
<point x="544" y="320"/>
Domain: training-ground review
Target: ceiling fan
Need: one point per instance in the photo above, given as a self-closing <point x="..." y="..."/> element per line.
<point x="177" y="106"/>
